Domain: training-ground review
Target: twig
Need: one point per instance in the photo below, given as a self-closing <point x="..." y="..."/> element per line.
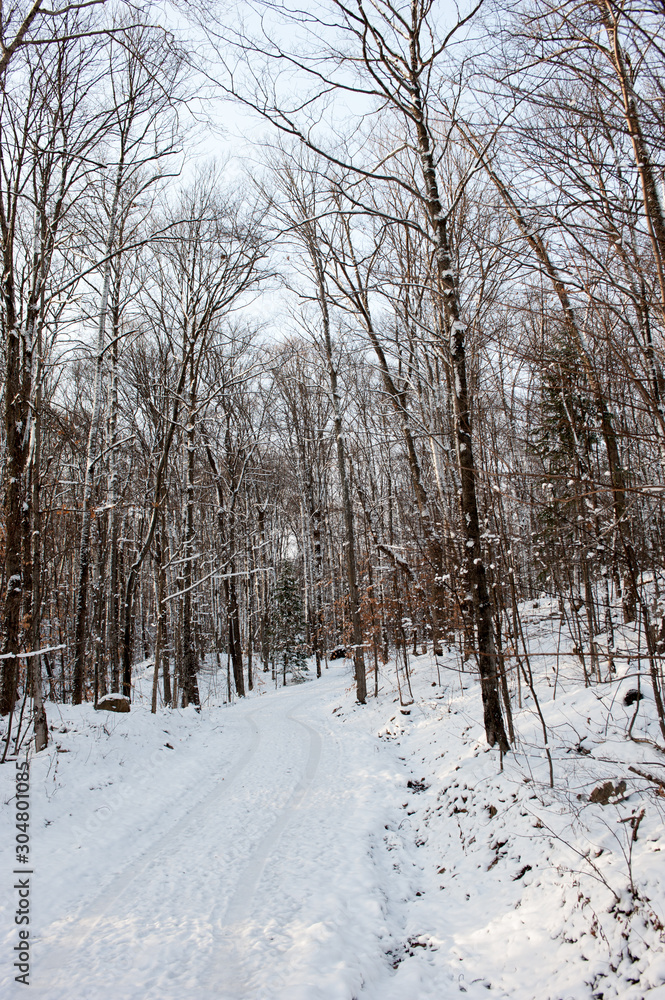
<point x="648" y="777"/>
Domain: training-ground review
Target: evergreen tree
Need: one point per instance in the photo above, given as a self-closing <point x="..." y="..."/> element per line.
<point x="288" y="624"/>
<point x="563" y="438"/>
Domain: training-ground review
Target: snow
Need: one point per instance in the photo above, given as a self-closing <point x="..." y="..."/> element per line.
<point x="298" y="846"/>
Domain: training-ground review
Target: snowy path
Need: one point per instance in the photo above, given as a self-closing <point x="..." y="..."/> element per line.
<point x="295" y="846"/>
<point x="266" y="888"/>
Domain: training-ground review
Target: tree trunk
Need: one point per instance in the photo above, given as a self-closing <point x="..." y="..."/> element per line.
<point x="161" y="657"/>
<point x="14" y="475"/>
<point x="190" y="689"/>
<point x="474" y="573"/>
<point x="35" y="663"/>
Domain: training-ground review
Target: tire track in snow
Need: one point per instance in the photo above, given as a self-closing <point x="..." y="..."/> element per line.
<point x="317" y="913"/>
<point x="228" y="907"/>
<point x="239" y="907"/>
<point x="227" y="970"/>
<point x="80" y="928"/>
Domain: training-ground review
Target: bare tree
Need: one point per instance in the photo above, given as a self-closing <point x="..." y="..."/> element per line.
<point x="300" y="214"/>
<point x="390" y="58"/>
<point x="47" y="140"/>
<point x="211" y="257"/>
<point x="143" y="79"/>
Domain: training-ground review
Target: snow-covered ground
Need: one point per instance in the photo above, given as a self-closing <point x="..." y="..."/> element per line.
<point x="297" y="846"/>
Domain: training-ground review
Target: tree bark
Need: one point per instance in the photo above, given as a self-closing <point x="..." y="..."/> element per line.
<point x="190" y="689"/>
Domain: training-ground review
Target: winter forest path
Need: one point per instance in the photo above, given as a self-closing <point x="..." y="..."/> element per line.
<point x="272" y="884"/>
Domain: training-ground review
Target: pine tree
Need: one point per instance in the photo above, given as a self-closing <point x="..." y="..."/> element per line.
<point x="564" y="438"/>
<point x="287" y="626"/>
<point x="564" y="433"/>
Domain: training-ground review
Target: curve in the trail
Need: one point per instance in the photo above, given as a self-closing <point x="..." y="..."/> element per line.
<point x="266" y="889"/>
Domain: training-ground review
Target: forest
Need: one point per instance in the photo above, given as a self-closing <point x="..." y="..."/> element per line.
<point x="332" y="537"/>
<point x="324" y="331"/>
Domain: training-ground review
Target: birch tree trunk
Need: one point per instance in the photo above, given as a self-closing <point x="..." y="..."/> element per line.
<point x="35" y="663"/>
<point x="190" y="688"/>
